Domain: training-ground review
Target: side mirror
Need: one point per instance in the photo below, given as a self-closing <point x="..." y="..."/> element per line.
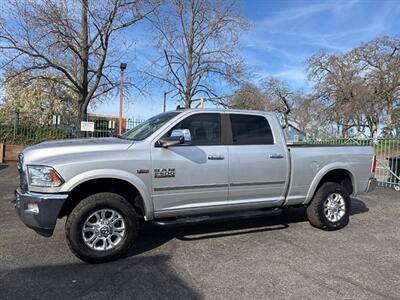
<point x="170" y="141"/>
<point x="178" y="136"/>
<point x="185" y="133"/>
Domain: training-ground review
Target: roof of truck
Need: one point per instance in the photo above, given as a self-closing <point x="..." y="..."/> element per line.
<point x="222" y="109"/>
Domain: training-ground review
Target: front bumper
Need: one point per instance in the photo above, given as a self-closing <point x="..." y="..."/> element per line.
<point x="372" y="184"/>
<point x="39" y="211"/>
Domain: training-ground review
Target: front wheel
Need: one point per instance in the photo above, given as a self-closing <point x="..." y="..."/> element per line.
<point x="102" y="227"/>
<point x="330" y="207"/>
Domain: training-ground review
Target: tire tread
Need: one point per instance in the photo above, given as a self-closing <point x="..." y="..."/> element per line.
<point x="74" y="216"/>
<point x="314" y="214"/>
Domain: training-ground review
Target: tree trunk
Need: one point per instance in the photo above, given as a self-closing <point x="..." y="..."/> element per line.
<point x="188" y="101"/>
<point x="345" y="128"/>
<point x="286" y="118"/>
<point x="81" y="116"/>
<point x="359" y="130"/>
<point x="189" y="78"/>
<point x="344" y="132"/>
<point x="82" y="106"/>
<point x="389" y="121"/>
<point x="373" y="129"/>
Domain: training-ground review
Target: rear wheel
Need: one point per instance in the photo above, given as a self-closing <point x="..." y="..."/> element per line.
<point x="102" y="227"/>
<point x="330" y="207"/>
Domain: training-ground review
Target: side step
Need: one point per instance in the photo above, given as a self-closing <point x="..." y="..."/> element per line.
<point x="198" y="219"/>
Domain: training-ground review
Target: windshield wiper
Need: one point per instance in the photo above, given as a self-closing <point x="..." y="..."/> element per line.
<point x="129" y="139"/>
<point x="122" y="138"/>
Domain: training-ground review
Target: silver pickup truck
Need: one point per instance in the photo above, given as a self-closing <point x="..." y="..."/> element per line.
<point x="184" y="167"/>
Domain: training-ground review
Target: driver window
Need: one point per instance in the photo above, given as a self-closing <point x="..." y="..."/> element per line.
<point x="205" y="128"/>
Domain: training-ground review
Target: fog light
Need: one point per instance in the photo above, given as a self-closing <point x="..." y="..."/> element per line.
<point x="33" y="208"/>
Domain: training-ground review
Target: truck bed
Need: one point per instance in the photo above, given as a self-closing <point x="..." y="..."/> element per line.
<point x="290" y="145"/>
<point x="309" y="162"/>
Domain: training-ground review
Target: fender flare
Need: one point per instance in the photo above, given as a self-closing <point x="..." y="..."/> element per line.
<point x="115" y="174"/>
<point x="325" y="170"/>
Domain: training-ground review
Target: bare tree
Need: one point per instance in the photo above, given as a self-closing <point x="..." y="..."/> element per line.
<point x="71" y="38"/>
<point x="337" y="84"/>
<point x="281" y="99"/>
<point x="197" y="40"/>
<point x="295" y="108"/>
<point x="367" y="110"/>
<point x="249" y="96"/>
<point x="309" y="115"/>
<point x="380" y="59"/>
<point x="361" y="88"/>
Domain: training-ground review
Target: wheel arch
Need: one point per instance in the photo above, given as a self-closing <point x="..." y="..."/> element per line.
<point x="341" y="174"/>
<point x="124" y="183"/>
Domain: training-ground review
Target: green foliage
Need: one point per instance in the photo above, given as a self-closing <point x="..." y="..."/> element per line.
<point x="37" y="100"/>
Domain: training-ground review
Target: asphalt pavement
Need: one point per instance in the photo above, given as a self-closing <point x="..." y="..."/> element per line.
<point x="268" y="258"/>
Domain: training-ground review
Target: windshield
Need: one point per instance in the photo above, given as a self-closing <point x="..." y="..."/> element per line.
<point x="147" y="128"/>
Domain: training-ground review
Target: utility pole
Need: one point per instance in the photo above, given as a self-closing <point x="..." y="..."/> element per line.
<point x="121" y="96"/>
<point x="84" y="67"/>
<point x="165" y="101"/>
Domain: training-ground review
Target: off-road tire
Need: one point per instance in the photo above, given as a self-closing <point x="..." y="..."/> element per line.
<point x="76" y="219"/>
<point x="315" y="210"/>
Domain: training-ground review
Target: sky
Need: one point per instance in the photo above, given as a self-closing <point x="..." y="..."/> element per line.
<point x="283" y="34"/>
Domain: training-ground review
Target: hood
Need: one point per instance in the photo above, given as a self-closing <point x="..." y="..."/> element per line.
<point x="53" y="149"/>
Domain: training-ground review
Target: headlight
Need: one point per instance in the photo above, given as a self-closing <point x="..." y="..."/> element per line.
<point x="44" y="176"/>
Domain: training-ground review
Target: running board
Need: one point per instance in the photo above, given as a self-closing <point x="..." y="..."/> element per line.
<point x="194" y="220"/>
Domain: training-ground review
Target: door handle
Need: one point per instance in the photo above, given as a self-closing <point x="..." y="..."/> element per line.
<point x="215" y="157"/>
<point x="275" y="155"/>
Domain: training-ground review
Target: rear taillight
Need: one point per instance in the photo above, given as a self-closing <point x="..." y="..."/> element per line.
<point x="373" y="167"/>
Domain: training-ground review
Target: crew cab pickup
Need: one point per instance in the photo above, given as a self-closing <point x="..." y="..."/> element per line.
<point x="184" y="167"/>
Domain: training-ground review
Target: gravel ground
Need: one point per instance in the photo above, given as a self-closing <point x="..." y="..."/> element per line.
<point x="276" y="257"/>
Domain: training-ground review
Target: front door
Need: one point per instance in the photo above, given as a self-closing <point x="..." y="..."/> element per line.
<point x="193" y="177"/>
<point x="258" y="163"/>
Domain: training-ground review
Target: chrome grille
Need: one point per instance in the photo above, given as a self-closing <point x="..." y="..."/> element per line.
<point x="20" y="160"/>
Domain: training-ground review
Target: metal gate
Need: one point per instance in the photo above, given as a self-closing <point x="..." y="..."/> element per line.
<point x="387" y="153"/>
<point x="109" y="127"/>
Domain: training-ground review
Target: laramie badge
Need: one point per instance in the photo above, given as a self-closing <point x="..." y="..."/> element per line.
<point x="164" y="173"/>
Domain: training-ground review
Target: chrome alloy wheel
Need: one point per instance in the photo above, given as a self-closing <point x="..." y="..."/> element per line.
<point x="334" y="207"/>
<point x="103" y="230"/>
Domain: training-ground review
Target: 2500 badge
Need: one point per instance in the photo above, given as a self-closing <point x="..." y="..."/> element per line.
<point x="164" y="173"/>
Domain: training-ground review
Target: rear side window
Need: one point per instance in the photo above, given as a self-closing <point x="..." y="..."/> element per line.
<point x="250" y="130"/>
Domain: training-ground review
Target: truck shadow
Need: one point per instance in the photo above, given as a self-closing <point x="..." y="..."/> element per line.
<point x="358" y="207"/>
<point x="145" y="277"/>
<point x="3" y="166"/>
<point x="154" y="236"/>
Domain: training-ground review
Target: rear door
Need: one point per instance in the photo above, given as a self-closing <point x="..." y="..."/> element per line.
<point x="193" y="177"/>
<point x="258" y="162"/>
